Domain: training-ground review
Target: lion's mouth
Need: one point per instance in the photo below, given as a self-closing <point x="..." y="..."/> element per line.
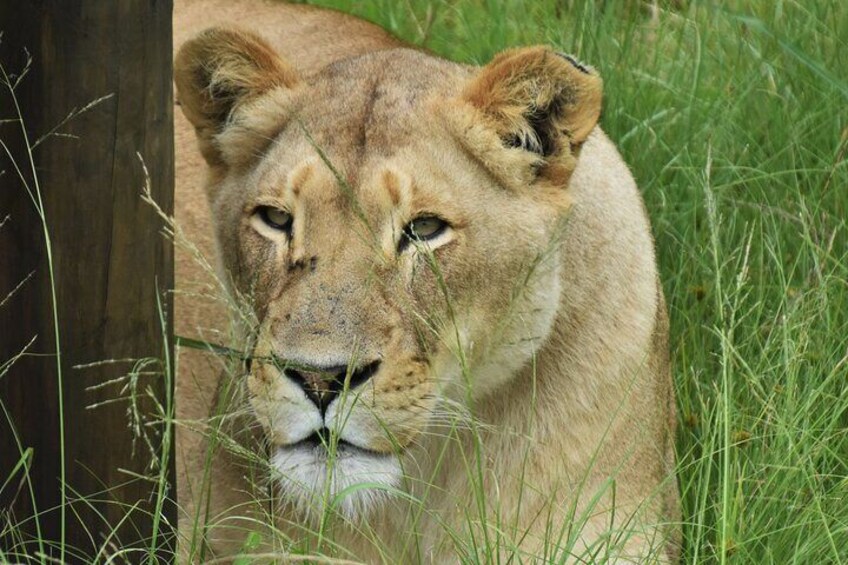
<point x="322" y="469"/>
<point x="324" y="441"/>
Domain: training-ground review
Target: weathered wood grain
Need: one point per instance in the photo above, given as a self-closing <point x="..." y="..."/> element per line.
<point x="110" y="259"/>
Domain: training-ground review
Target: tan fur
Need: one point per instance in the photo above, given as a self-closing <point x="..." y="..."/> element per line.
<point x="552" y="346"/>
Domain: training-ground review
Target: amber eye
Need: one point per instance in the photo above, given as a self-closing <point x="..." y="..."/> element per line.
<point x="423" y="228"/>
<point x="275" y="218"/>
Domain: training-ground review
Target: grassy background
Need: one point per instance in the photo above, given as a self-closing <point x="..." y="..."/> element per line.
<point x="734" y="119"/>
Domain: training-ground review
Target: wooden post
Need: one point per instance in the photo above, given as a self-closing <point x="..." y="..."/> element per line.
<point x="111" y="265"/>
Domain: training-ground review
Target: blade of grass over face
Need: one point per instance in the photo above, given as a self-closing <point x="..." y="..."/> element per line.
<point x="233" y="354"/>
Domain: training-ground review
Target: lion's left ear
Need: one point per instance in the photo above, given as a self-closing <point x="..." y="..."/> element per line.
<point x="235" y="90"/>
<point x="539" y="104"/>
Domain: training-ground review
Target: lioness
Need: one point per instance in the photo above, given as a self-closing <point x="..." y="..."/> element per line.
<point x="457" y="342"/>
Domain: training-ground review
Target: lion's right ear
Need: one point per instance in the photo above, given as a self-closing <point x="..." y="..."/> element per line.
<point x="235" y="90"/>
<point x="526" y="114"/>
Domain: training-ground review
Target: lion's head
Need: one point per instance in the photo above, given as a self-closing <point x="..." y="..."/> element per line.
<point x="394" y="219"/>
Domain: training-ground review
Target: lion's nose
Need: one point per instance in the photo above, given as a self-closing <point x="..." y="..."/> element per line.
<point x="323" y="384"/>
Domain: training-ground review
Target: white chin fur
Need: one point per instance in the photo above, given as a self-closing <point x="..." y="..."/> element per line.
<point x="311" y="482"/>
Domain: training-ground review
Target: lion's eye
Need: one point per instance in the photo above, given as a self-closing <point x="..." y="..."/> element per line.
<point x="275" y="218"/>
<point x="423" y="228"/>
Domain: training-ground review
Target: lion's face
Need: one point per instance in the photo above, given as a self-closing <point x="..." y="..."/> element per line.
<point x="394" y="219"/>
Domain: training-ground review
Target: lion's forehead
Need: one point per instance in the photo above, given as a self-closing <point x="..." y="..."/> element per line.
<point x="373" y="104"/>
<point x="398" y="76"/>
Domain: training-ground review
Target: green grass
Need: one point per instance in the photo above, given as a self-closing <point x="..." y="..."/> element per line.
<point x="734" y="119"/>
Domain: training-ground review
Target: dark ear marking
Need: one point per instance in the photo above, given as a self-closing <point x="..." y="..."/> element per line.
<point x="577" y="64"/>
<point x="543" y="143"/>
<point x="225" y="96"/>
